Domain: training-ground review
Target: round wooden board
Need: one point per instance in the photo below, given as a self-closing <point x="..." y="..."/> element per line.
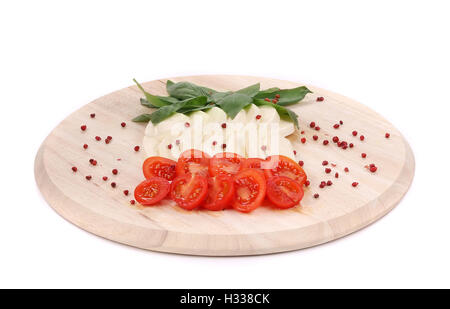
<point x="341" y="209"/>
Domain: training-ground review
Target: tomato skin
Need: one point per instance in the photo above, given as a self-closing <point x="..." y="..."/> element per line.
<point x="193" y="161"/>
<point x="189" y="190"/>
<point x="250" y="189"/>
<point x="159" y="167"/>
<point x="284" y="166"/>
<point x="151" y="190"/>
<point x="252" y="163"/>
<point x="220" y="192"/>
<point x="284" y="192"/>
<point x="225" y="163"/>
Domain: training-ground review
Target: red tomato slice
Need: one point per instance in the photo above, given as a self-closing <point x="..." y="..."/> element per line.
<point x="159" y="167"/>
<point x="193" y="161"/>
<point x="220" y="192"/>
<point x="151" y="191"/>
<point x="250" y="189"/>
<point x="252" y="163"/>
<point x="189" y="190"/>
<point x="284" y="192"/>
<point x="225" y="163"/>
<point x="284" y="166"/>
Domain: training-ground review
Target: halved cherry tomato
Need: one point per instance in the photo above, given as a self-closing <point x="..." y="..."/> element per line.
<point x="151" y="190"/>
<point x="159" y="167"/>
<point x="189" y="190"/>
<point x="284" y="166"/>
<point x="284" y="192"/>
<point x="250" y="189"/>
<point x="252" y="163"/>
<point x="225" y="163"/>
<point x="193" y="161"/>
<point x="220" y="192"/>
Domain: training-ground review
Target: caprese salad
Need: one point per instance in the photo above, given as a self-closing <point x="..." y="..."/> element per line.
<point x="217" y="150"/>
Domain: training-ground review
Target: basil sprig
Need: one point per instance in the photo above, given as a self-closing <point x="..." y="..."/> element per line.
<point x="185" y="97"/>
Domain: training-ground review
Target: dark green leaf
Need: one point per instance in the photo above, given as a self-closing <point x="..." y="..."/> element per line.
<point x="268" y="90"/>
<point x="166" y="111"/>
<point x="284" y="112"/>
<point x="152" y="99"/>
<point x="232" y="104"/>
<point x="143" y="118"/>
<point x="186" y="90"/>
<point x="250" y="90"/>
<point x="169" y="99"/>
<point x="216" y="97"/>
<point x="287" y="96"/>
<point x="187" y="110"/>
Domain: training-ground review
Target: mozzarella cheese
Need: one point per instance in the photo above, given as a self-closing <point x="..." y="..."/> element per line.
<point x="255" y="132"/>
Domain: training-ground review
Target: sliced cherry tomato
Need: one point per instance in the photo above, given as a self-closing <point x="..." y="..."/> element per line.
<point x="225" y="163"/>
<point x="151" y="191"/>
<point x="284" y="192"/>
<point x="220" y="192"/>
<point x="159" y="167"/>
<point x="284" y="166"/>
<point x="189" y="190"/>
<point x="250" y="189"/>
<point x="252" y="163"/>
<point x="193" y="161"/>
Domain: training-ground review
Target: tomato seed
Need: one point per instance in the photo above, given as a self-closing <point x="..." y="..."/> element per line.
<point x="274" y="101"/>
<point x="373" y="169"/>
<point x="351" y="145"/>
<point x="295" y="152"/>
<point x="107" y="141"/>
<point x="224" y="146"/>
<point x="214" y="143"/>
<point x="267" y="99"/>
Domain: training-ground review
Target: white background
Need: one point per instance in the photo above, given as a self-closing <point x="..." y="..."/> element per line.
<point x="391" y="55"/>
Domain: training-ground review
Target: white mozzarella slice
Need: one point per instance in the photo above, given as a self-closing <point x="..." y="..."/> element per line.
<point x="286" y="128"/>
<point x="284" y="148"/>
<point x="164" y="149"/>
<point x="240" y="118"/>
<point x="199" y="121"/>
<point x="212" y="143"/>
<point x="251" y="140"/>
<point x="252" y="112"/>
<point x="172" y="126"/>
<point x="217" y="115"/>
<point x="183" y="142"/>
<point x="150" y="146"/>
<point x="269" y="114"/>
<point x="150" y="130"/>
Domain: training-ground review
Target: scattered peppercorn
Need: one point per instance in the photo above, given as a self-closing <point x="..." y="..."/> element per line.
<point x="136" y="148"/>
<point x="85" y="146"/>
<point x="329" y="183"/>
<point x="258" y="117"/>
<point x="361" y="137"/>
<point x="328" y="170"/>
<point x="88" y="177"/>
<point x="387" y="135"/>
<point x="187" y="124"/>
<point x="307" y="183"/>
<point x="123" y="124"/>
<point x="303" y="140"/>
<point x="315" y="137"/>
<point x="373" y="169"/>
<point x="354" y="133"/>
<point x="74" y="168"/>
<point x="325" y="162"/>
<point x="316" y="195"/>
<point x="132" y="202"/>
<point x="98" y="138"/>
<point x="336" y="175"/>
<point x="335" y="139"/>
<point x="336" y="126"/>
<point x="105" y="178"/>
<point x="317" y="128"/>
<point x="113" y="184"/>
<point x="341" y="122"/>
<point x="115" y="171"/>
<point x="83" y="127"/>
<point x="301" y="163"/>
<point x="354" y="184"/>
<point x="312" y="124"/>
<point x="320" y="99"/>
<point x="92" y="115"/>
<point x="364" y="155"/>
<point x="346" y="169"/>
<point x="325" y="142"/>
<point x="125" y="192"/>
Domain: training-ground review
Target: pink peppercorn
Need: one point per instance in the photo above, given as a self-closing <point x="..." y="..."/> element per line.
<point x="301" y="163"/>
<point x="361" y="137"/>
<point x="136" y="148"/>
<point x="315" y="137"/>
<point x="325" y="142"/>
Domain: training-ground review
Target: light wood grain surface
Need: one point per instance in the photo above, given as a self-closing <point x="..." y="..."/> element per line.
<point x="341" y="209"/>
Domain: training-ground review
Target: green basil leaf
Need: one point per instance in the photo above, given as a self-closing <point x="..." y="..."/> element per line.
<point x="142" y="118"/>
<point x="187" y="110"/>
<point x="232" y="104"/>
<point x="152" y="99"/>
<point x="287" y="96"/>
<point x="166" y="111"/>
<point x="216" y="97"/>
<point x="146" y="103"/>
<point x="186" y="90"/>
<point x="170" y="100"/>
<point x="250" y="90"/>
<point x="284" y="112"/>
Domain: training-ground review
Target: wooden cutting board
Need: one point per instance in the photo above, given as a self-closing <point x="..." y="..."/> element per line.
<point x="341" y="209"/>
